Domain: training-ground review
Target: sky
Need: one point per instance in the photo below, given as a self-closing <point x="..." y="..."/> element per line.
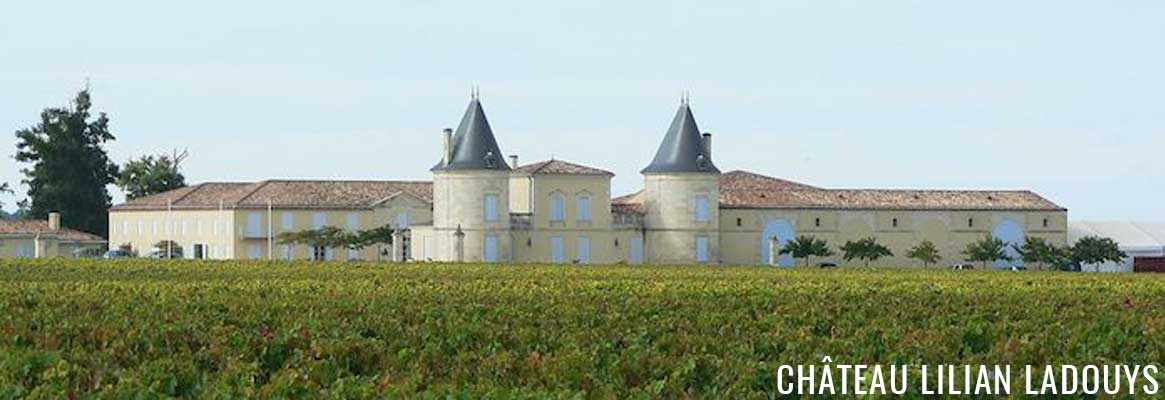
<point x="1064" y="98"/>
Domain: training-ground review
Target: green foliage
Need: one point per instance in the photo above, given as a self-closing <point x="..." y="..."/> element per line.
<point x="867" y="250"/>
<point x="926" y="252"/>
<point x="327" y="236"/>
<point x="69" y="167"/>
<point x="1036" y="251"/>
<point x="807" y="246"/>
<point x="150" y="175"/>
<point x="141" y="328"/>
<point x="985" y="250"/>
<point x="1096" y="250"/>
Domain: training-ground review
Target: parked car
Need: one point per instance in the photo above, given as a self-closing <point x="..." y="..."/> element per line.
<point x="87" y="252"/>
<point x="118" y="253"/>
<point x="826" y="265"/>
<point x="962" y="266"/>
<point x="1017" y="268"/>
<point x="161" y="253"/>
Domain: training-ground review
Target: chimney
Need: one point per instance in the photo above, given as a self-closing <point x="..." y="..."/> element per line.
<point x="447" y="142"/>
<point x="708" y="146"/>
<point x="54" y="221"/>
<point x="513" y="161"/>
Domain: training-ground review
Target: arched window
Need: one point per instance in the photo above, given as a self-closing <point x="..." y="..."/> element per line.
<point x="583" y="207"/>
<point x="557" y="207"/>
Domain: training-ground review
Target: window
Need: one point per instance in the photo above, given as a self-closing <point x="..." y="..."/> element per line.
<point x="703" y="209"/>
<point x="199" y="251"/>
<point x="584" y="207"/>
<point x="491" y="248"/>
<point x="217" y="227"/>
<point x="353" y="253"/>
<point x="155" y="226"/>
<point x="25" y="250"/>
<point x="287" y="221"/>
<point x="702" y="249"/>
<point x="402" y="220"/>
<point x="318" y="220"/>
<point x="970" y="222"/>
<point x="353" y="222"/>
<point x="141" y="227"/>
<point x="1045" y="222"/>
<point x="584" y="249"/>
<point x="198" y="227"/>
<point x="319" y="253"/>
<point x="184" y="226"/>
<point x="254" y="222"/>
<point x="491" y="207"/>
<point x="288" y="251"/>
<point x="125" y="226"/>
<point x="739" y="221"/>
<point x="894" y="222"/>
<point x="253" y="252"/>
<point x="557" y="207"/>
<point x="556" y="250"/>
<point x="817" y="222"/>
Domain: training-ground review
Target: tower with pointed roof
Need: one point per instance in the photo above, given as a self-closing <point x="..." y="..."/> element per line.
<point x="681" y="196"/>
<point x="471" y="218"/>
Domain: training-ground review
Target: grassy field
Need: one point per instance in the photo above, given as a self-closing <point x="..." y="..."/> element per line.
<point x="341" y="330"/>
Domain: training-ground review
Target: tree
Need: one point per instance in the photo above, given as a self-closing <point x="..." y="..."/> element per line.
<point x="1060" y="257"/>
<point x="328" y="236"/>
<point x="69" y="167"/>
<point x="374" y="236"/>
<point x="1096" y="250"/>
<point x="1035" y="251"/>
<point x="926" y="252"/>
<point x="867" y="249"/>
<point x="986" y="250"/>
<point x="149" y="175"/>
<point x="807" y="246"/>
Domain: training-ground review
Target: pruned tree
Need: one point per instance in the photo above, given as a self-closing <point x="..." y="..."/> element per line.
<point x="1035" y="251"/>
<point x="1096" y="250"/>
<point x="805" y="247"/>
<point x="985" y="250"/>
<point x="926" y="252"/>
<point x="68" y="167"/>
<point x="152" y="174"/>
<point x="867" y="250"/>
<point x="327" y="236"/>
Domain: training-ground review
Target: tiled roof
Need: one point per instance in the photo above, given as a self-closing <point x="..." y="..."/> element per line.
<point x="559" y="167"/>
<point x="745" y="180"/>
<point x="282" y="194"/>
<point x="742" y="189"/>
<point x="887" y="199"/>
<point x="35" y="226"/>
<point x="628" y="203"/>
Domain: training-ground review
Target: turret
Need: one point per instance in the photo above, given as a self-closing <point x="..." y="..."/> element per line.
<point x="681" y="196"/>
<point x="471" y="215"/>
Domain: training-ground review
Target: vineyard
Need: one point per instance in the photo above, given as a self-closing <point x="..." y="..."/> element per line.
<point x="139" y="328"/>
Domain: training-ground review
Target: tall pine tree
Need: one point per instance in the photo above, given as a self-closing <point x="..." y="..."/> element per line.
<point x="69" y="168"/>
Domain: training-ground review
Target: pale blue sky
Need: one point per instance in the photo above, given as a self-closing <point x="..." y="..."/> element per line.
<point x="1060" y="97"/>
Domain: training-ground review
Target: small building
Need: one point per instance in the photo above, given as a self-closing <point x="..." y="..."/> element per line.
<point x="34" y="238"/>
<point x="1143" y="242"/>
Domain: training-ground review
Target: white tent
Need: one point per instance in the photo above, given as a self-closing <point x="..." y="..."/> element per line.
<point x="1137" y="239"/>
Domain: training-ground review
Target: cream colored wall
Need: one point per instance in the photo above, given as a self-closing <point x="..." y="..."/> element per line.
<point x="232" y="240"/>
<point x="520" y="193"/>
<point x="141" y="229"/>
<point x="597" y="228"/>
<point x="459" y="200"/>
<point x="672" y="229"/>
<point x="740" y="245"/>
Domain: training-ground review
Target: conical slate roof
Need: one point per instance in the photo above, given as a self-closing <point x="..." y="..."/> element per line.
<point x="474" y="145"/>
<point x="682" y="149"/>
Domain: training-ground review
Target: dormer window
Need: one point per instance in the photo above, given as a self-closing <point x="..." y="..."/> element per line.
<point x="489" y="160"/>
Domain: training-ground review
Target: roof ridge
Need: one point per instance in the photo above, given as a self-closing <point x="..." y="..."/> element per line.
<point x="188" y="192"/>
<point x="261" y="185"/>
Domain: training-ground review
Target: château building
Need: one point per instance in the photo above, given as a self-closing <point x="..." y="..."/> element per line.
<point x="481" y="206"/>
